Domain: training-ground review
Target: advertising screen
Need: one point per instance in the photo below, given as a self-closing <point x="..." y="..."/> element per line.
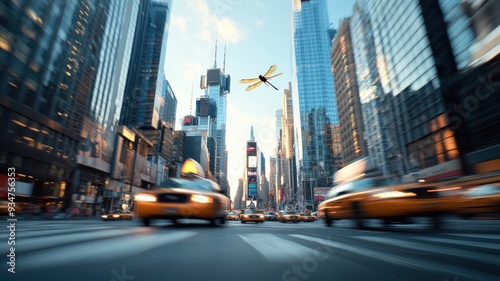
<point x="252" y="161"/>
<point x="320" y="193"/>
<point x="252" y="190"/>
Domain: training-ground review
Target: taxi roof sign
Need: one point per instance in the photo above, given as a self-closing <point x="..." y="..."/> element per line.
<point x="191" y="167"/>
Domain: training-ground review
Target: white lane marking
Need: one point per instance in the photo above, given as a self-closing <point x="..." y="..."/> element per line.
<point x="35" y="233"/>
<point x="400" y="260"/>
<point x="485" y="258"/>
<point x="484" y="245"/>
<point x="276" y="249"/>
<point x="38" y="243"/>
<point x="474" y="235"/>
<point x="104" y="250"/>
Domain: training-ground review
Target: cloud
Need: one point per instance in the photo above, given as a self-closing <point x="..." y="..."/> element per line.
<point x="259" y="22"/>
<point x="192" y="71"/>
<point x="208" y="22"/>
<point x="179" y="22"/>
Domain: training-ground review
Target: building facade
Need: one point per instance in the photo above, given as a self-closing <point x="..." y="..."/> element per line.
<point x="352" y="132"/>
<point x="316" y="102"/>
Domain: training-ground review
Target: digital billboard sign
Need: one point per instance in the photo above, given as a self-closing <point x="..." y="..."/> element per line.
<point x="252" y="190"/>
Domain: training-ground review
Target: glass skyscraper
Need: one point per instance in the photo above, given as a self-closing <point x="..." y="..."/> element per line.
<point x="317" y="114"/>
<point x="63" y="66"/>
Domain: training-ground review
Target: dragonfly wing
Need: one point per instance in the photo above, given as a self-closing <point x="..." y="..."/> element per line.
<point x="274" y="76"/>
<point x="251" y="87"/>
<point x="251" y="80"/>
<point x="270" y="71"/>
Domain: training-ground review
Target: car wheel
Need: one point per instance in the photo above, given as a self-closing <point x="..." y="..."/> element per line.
<point x="358" y="215"/>
<point x="222" y="220"/>
<point x="328" y="221"/>
<point x="146" y="221"/>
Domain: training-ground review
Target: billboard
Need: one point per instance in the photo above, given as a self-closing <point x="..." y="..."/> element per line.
<point x="252" y="190"/>
<point x="320" y="193"/>
<point x="252" y="161"/>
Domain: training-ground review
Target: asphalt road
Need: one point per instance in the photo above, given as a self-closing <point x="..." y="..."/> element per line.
<point x="92" y="250"/>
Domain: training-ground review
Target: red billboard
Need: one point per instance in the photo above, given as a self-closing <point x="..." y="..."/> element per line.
<point x="320" y="193"/>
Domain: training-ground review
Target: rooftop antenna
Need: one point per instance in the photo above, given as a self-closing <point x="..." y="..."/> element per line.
<point x="215" y="61"/>
<point x="251" y="133"/>
<point x="191" y="103"/>
<point x="224" y="61"/>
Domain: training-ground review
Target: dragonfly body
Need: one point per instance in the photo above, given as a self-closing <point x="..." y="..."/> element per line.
<point x="261" y="79"/>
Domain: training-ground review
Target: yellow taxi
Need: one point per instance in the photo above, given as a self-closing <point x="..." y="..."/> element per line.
<point x="118" y="215"/>
<point x="232" y="216"/>
<point x="252" y="215"/>
<point x="375" y="198"/>
<point x="307" y="217"/>
<point x="483" y="200"/>
<point x="189" y="197"/>
<point x="289" y="215"/>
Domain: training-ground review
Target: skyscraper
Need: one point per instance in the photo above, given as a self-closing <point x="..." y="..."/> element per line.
<point x="217" y="85"/>
<point x="315" y="96"/>
<point x="141" y="107"/>
<point x="346" y="88"/>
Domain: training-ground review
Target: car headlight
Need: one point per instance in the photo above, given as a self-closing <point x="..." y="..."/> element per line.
<point x="116" y="216"/>
<point x="201" y="198"/>
<point x="145" y="197"/>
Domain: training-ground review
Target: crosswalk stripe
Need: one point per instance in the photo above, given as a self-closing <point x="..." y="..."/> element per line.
<point x="38" y="243"/>
<point x="486" y="258"/>
<point x="276" y="249"/>
<point x="484" y="245"/>
<point x="477" y="235"/>
<point x="36" y="233"/>
<point x="400" y="260"/>
<point x="102" y="250"/>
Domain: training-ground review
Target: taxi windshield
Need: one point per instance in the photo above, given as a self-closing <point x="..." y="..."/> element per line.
<point x="197" y="184"/>
<point x="252" y="211"/>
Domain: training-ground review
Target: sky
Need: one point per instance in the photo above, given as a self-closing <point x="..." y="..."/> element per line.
<point x="257" y="34"/>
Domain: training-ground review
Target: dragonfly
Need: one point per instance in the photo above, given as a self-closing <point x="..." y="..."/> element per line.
<point x="261" y="79"/>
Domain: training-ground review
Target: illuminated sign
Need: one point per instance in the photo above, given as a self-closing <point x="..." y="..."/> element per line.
<point x="252" y="161"/>
<point x="252" y="190"/>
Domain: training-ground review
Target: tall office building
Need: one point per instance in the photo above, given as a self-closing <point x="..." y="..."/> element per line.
<point x="141" y="107"/>
<point x="317" y="104"/>
<point x="288" y="144"/>
<point x="346" y="89"/>
<point x="62" y="75"/>
<point x="415" y="85"/>
<point x="217" y="85"/>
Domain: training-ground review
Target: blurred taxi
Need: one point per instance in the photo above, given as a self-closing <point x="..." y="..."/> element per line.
<point x="189" y="197"/>
<point x="270" y="216"/>
<point x="480" y="200"/>
<point x="289" y="215"/>
<point x="252" y="215"/>
<point x="118" y="215"/>
<point x="373" y="198"/>
<point x="231" y="216"/>
<point x="307" y="217"/>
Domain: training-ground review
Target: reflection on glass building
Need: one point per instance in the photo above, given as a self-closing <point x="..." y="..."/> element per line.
<point x="406" y="57"/>
<point x="317" y="109"/>
<point x="61" y="67"/>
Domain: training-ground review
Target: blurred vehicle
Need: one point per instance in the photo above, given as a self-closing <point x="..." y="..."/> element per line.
<point x="285" y="216"/>
<point x="189" y="197"/>
<point x="375" y="198"/>
<point x="315" y="215"/>
<point x="252" y="215"/>
<point x="306" y="217"/>
<point x="270" y="216"/>
<point x="4" y="208"/>
<point x="480" y="200"/>
<point x="232" y="216"/>
<point x="118" y="215"/>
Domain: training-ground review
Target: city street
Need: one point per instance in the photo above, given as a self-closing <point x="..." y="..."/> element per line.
<point x="125" y="250"/>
